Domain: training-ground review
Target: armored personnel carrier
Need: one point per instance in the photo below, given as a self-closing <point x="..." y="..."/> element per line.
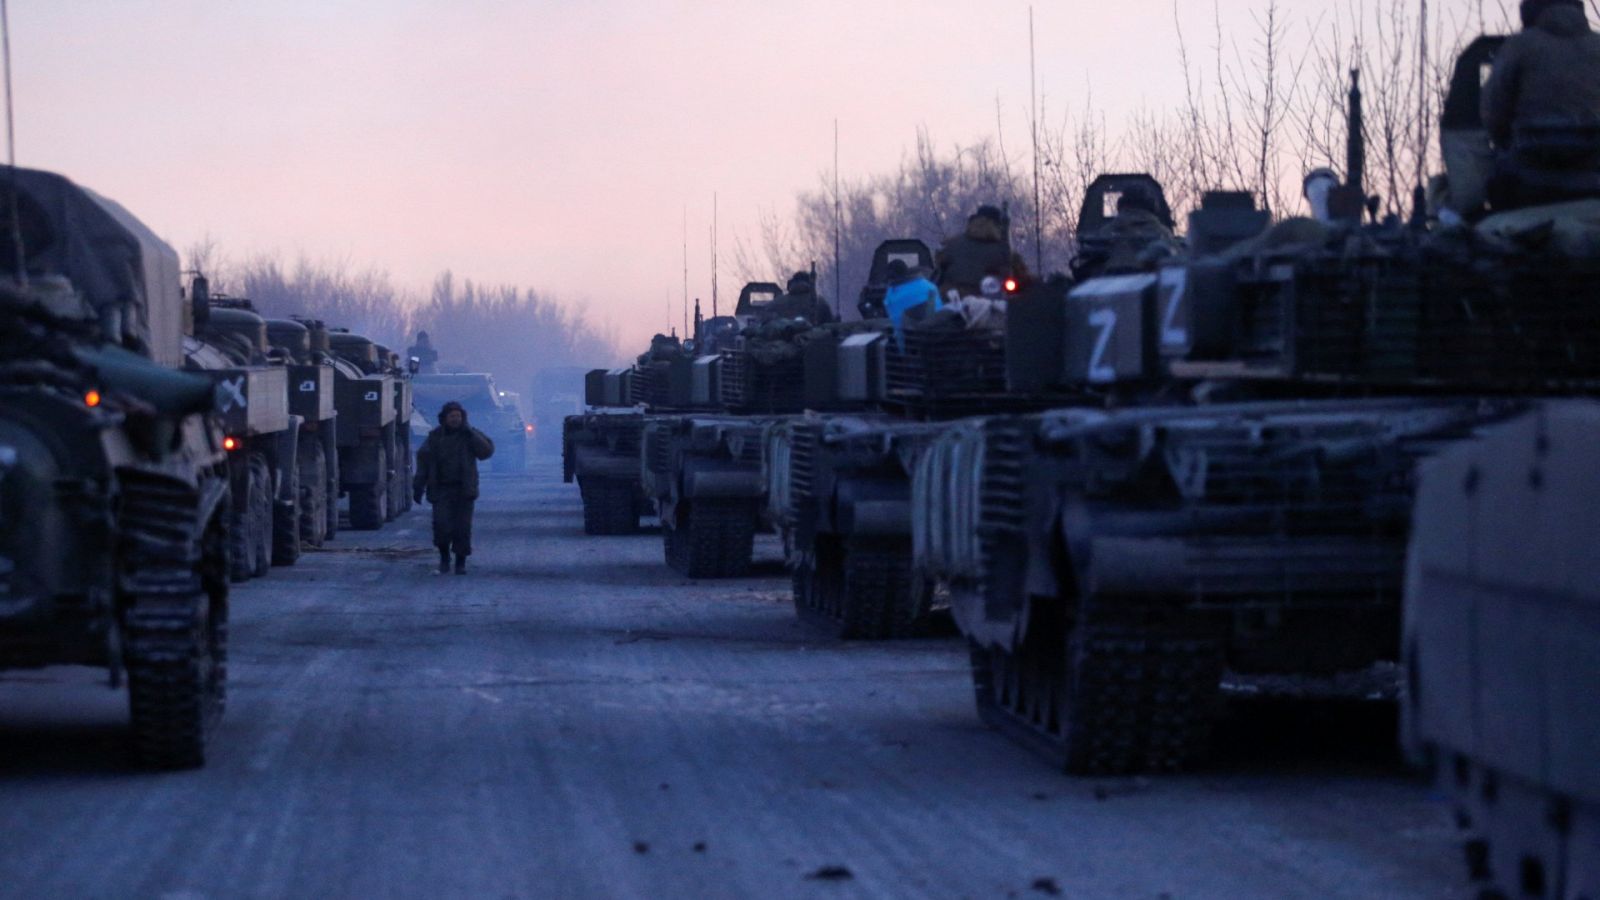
<point x="113" y="480"/>
<point x="1109" y="565"/>
<point x="1502" y="637"/>
<point x="404" y="440"/>
<point x="364" y="397"/>
<point x="303" y="345"/>
<point x="229" y="345"/>
<point x="488" y="408"/>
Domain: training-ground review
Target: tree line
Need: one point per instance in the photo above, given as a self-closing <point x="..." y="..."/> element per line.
<point x="1258" y="110"/>
<point x="508" y="331"/>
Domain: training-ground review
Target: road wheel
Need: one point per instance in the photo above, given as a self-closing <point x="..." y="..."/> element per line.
<point x="369" y="501"/>
<point x="261" y="513"/>
<point x="286" y="519"/>
<point x="241" y="538"/>
<point x="407" y="470"/>
<point x="330" y="460"/>
<point x="1122" y="686"/>
<point x="717" y="539"/>
<point x="392" y="508"/>
<point x="176" y="653"/>
<point x="313" y="473"/>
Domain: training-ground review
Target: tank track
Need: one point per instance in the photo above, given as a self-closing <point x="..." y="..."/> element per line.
<point x="1134" y="692"/>
<point x="175" y="627"/>
<point x="609" y="506"/>
<point x="864" y="589"/>
<point x="715" y="540"/>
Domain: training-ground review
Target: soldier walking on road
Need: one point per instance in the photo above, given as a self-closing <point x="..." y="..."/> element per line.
<point x="447" y="474"/>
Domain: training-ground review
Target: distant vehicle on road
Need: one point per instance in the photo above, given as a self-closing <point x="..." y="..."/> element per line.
<point x="488" y="408"/>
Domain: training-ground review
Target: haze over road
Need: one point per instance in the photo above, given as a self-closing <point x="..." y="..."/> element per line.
<point x="573" y="719"/>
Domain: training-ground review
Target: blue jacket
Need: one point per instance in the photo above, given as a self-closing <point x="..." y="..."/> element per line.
<point x="907" y="296"/>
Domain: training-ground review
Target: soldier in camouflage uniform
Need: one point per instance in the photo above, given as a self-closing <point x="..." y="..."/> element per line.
<point x="447" y="474"/>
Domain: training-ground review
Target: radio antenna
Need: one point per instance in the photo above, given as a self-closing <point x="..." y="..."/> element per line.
<point x="1033" y="116"/>
<point x="11" y="150"/>
<point x="686" y="269"/>
<point x="838" y="226"/>
<point x="714" y="308"/>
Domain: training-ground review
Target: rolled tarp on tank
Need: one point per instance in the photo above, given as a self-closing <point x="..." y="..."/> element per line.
<point x="128" y="275"/>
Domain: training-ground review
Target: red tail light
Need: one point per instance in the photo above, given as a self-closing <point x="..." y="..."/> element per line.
<point x="528" y="428"/>
<point x="230" y="443"/>
<point x="91" y="398"/>
<point x="1011" y="285"/>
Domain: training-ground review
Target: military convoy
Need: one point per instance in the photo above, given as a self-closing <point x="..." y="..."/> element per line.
<point x="1191" y="461"/>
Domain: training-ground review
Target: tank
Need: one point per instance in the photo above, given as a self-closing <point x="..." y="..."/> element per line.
<point x="1502" y="638"/>
<point x="113" y="487"/>
<point x="1249" y="513"/>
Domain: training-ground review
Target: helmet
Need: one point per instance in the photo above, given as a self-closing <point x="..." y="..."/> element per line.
<point x="1136" y="197"/>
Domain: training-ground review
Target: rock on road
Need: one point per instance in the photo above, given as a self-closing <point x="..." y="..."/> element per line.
<point x="573" y="719"/>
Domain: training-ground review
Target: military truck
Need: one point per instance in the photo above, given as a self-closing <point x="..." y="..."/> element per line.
<point x="1108" y="565"/>
<point x="303" y="345"/>
<point x="404" y="440"/>
<point x="229" y="345"/>
<point x="113" y="479"/>
<point x="1502" y="649"/>
<point x="364" y="397"/>
<point x="493" y="411"/>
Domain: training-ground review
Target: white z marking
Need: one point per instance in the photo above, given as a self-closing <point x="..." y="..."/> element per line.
<point x="1174" y="334"/>
<point x="1106" y="321"/>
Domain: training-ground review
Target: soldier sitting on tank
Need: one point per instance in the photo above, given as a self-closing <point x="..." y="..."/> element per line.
<point x="980" y="251"/>
<point x="1136" y="232"/>
<point x="911" y="297"/>
<point x="801" y="301"/>
<point x="422" y="351"/>
<point x="447" y="474"/>
<point x="1541" y="106"/>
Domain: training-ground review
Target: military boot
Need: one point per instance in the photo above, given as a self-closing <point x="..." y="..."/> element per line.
<point x="444" y="561"/>
<point x="461" y="564"/>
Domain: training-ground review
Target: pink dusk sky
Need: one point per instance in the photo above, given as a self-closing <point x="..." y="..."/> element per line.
<point x="552" y="145"/>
